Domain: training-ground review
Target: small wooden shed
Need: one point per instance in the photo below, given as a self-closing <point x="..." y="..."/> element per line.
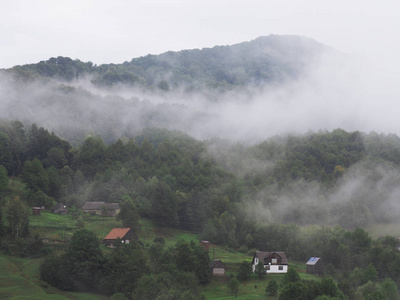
<point x="315" y="266"/>
<point x="36" y="210"/>
<point x="217" y="268"/>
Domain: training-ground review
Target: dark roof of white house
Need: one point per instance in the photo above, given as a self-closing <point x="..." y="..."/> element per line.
<point x="261" y="255"/>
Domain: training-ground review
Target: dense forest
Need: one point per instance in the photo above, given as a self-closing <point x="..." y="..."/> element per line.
<point x="258" y="62"/>
<point x="183" y="182"/>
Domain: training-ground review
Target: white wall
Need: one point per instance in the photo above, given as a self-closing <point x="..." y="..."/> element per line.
<point x="274" y="269"/>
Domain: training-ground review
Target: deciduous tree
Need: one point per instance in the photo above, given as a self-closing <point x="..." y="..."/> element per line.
<point x="233" y="286"/>
<point x="272" y="288"/>
<point x="244" y="271"/>
<point x="260" y="270"/>
<point x="17" y="215"/>
<point x="3" y="183"/>
<point x="128" y="213"/>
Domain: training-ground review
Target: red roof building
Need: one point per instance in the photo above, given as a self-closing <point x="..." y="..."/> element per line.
<point x="124" y="234"/>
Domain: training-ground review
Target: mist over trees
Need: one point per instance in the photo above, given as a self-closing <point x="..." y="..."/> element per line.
<point x="192" y="90"/>
<point x="323" y="178"/>
<point x="262" y="61"/>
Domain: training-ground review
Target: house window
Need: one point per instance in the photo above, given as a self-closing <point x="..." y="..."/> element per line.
<point x="267" y="267"/>
<point x="281" y="268"/>
<point x="274" y="260"/>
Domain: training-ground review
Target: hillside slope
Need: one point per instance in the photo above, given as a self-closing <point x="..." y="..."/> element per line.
<point x="264" y="60"/>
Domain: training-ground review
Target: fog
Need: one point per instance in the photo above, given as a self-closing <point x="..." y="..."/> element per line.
<point x="340" y="91"/>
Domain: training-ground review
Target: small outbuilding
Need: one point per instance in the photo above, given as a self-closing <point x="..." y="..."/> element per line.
<point x="60" y="209"/>
<point x="315" y="266"/>
<point x="36" y="210"/>
<point x="124" y="234"/>
<point x="217" y="267"/>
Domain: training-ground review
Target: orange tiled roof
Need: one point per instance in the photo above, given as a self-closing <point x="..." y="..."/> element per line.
<point x="117" y="233"/>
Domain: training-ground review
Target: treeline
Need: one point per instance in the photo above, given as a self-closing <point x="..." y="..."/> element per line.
<point x="361" y="268"/>
<point x="129" y="271"/>
<point x="258" y="62"/>
<point x="325" y="178"/>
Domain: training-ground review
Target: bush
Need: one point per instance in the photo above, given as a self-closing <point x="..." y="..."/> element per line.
<point x="272" y="288"/>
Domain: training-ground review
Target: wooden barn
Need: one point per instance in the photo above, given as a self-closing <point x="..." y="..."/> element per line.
<point x="217" y="268"/>
<point x="315" y="266"/>
<point x="125" y="234"/>
<point x="36" y="210"/>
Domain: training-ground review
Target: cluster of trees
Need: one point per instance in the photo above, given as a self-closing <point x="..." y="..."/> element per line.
<point x="257" y="62"/>
<point x="363" y="268"/>
<point x="168" y="178"/>
<point x="293" y="287"/>
<point x="159" y="273"/>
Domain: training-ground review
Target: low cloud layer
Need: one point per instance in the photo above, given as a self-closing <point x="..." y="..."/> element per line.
<point x="338" y="92"/>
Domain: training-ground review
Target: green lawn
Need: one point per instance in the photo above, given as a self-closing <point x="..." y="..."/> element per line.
<point x="171" y="236"/>
<point x="252" y="289"/>
<point x="19" y="279"/>
<point x="56" y="226"/>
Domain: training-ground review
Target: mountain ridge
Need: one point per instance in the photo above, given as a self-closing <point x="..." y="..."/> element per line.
<point x="264" y="60"/>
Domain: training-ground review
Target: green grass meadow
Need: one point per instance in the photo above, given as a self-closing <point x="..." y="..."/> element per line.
<point x="19" y="278"/>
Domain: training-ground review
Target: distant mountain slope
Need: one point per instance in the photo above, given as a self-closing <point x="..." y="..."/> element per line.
<point x="261" y="61"/>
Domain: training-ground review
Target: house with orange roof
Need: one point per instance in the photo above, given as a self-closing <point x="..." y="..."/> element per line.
<point x="124" y="234"/>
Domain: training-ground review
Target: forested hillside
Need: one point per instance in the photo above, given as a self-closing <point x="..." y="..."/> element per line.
<point x="237" y="196"/>
<point x="262" y="61"/>
<point x="326" y="178"/>
<point x="224" y="91"/>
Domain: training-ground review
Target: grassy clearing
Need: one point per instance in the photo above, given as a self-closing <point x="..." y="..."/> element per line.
<point x="62" y="227"/>
<point x="19" y="279"/>
<point x="379" y="230"/>
<point x="252" y="289"/>
<point x="101" y="226"/>
<point x="171" y="236"/>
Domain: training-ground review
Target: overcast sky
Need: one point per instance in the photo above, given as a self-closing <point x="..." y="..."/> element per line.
<point x="117" y="31"/>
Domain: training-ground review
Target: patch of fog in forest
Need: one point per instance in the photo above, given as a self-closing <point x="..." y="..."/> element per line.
<point x="367" y="193"/>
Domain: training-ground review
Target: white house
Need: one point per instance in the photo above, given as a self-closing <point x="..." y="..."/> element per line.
<point x="274" y="262"/>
